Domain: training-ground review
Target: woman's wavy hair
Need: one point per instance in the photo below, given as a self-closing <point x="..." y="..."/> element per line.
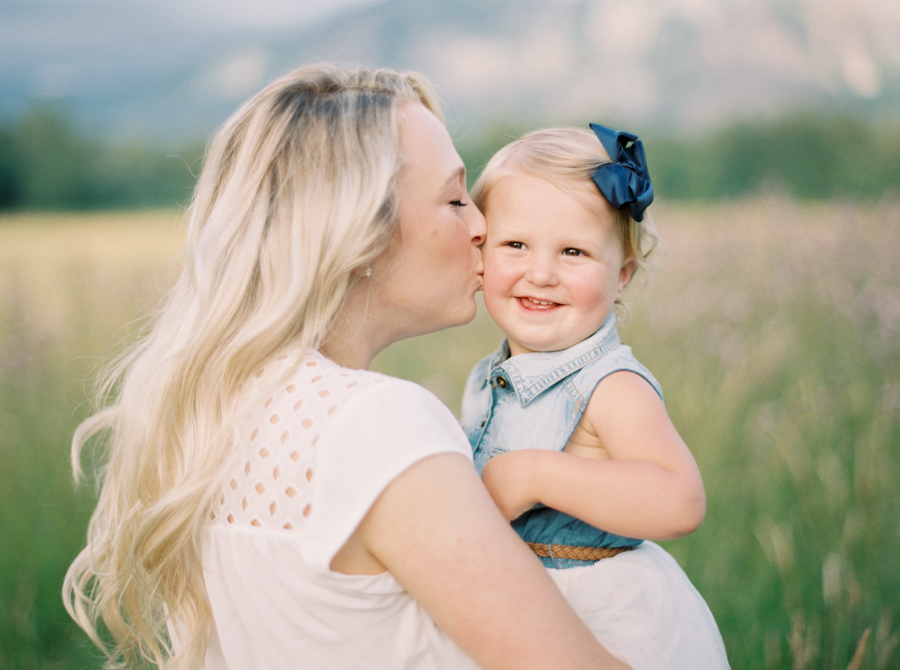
<point x="297" y="192"/>
<point x="564" y="156"/>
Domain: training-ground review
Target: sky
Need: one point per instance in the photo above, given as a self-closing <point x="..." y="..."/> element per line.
<point x="63" y="36"/>
<point x="53" y="49"/>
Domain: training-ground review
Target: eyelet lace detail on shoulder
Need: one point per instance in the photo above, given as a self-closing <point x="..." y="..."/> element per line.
<point x="271" y="487"/>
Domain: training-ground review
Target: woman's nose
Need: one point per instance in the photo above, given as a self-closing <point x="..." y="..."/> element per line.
<point x="477" y="226"/>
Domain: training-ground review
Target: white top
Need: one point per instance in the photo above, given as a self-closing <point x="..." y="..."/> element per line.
<point x="311" y="460"/>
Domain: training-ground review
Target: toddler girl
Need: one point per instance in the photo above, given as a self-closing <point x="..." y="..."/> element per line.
<point x="569" y="430"/>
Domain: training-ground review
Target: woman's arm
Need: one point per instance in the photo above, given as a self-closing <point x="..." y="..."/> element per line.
<point x="649" y="488"/>
<point x="438" y="532"/>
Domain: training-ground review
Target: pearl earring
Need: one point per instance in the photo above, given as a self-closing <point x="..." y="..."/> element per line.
<point x="367" y="272"/>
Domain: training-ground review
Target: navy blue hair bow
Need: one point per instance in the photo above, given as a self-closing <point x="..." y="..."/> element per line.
<point x="625" y="181"/>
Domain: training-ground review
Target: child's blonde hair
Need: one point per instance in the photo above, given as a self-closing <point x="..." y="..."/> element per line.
<point x="561" y="156"/>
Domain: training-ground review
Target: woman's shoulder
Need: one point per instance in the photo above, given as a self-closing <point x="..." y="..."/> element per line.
<point x="309" y="421"/>
<point x="323" y="378"/>
<point x="306" y="390"/>
<point x="296" y="379"/>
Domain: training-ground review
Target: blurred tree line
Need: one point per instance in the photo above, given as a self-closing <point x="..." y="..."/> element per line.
<point x="46" y="164"/>
<point x="808" y="156"/>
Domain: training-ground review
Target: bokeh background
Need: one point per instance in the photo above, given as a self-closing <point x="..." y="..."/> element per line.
<point x="772" y="129"/>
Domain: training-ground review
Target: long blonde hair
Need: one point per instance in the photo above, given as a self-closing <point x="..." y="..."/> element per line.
<point x="296" y="193"/>
<point x="561" y="156"/>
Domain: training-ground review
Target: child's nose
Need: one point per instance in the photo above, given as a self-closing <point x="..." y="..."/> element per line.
<point x="542" y="272"/>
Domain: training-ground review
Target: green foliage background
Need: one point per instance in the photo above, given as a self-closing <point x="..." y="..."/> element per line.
<point x="772" y="324"/>
<point x="46" y="164"/>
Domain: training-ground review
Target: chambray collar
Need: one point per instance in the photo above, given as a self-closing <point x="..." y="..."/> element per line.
<point x="531" y="374"/>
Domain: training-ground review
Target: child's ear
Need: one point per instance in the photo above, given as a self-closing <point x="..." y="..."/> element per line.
<point x="625" y="274"/>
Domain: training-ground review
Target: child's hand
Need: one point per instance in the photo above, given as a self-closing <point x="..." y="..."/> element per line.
<point x="508" y="478"/>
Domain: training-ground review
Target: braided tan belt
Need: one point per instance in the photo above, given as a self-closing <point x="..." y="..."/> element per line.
<point x="576" y="553"/>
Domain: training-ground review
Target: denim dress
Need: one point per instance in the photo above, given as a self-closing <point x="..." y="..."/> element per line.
<point x="535" y="401"/>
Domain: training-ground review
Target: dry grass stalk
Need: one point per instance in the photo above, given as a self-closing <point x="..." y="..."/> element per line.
<point x="856" y="661"/>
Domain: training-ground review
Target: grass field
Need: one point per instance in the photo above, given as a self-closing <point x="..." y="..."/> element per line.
<point x="773" y="326"/>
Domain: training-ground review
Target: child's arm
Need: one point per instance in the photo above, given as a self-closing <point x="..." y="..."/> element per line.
<point x="649" y="488"/>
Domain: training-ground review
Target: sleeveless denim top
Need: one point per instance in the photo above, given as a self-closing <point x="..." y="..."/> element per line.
<point x="535" y="401"/>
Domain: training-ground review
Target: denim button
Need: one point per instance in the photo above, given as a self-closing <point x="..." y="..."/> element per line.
<point x="502" y="383"/>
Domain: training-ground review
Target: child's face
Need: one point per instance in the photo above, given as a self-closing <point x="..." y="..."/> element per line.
<point x="553" y="263"/>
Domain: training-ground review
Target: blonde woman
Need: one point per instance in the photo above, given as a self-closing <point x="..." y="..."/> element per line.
<point x="267" y="501"/>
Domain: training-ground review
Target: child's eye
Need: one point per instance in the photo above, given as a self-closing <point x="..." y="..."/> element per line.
<point x="515" y="245"/>
<point x="573" y="252"/>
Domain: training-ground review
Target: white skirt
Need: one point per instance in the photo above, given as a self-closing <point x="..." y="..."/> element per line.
<point x="645" y="611"/>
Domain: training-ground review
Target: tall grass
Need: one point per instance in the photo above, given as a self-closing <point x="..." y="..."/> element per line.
<point x="68" y="287"/>
<point x="773" y="327"/>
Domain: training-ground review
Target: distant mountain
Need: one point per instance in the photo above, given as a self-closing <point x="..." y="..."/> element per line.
<point x="682" y="65"/>
<point x="686" y="64"/>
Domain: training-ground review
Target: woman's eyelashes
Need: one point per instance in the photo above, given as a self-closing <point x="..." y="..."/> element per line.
<point x="458" y="203"/>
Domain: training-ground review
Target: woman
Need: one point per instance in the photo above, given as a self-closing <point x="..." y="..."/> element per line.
<point x="269" y="503"/>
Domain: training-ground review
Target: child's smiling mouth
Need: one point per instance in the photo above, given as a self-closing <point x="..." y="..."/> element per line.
<point x="533" y="304"/>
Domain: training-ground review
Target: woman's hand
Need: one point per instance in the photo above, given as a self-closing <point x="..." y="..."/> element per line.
<point x="509" y="478"/>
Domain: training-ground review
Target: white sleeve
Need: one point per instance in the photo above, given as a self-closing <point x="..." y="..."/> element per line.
<point x="379" y="433"/>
